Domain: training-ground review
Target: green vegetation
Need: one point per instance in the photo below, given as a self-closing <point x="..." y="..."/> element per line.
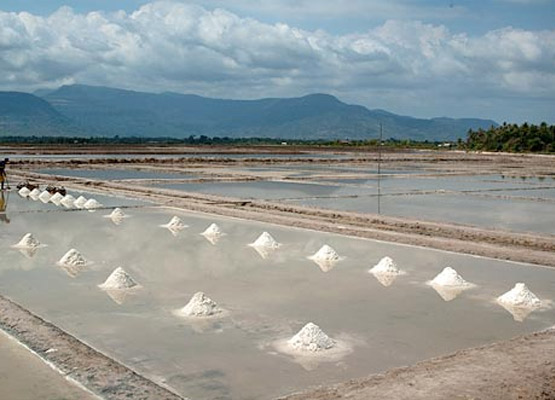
<point x="513" y="138"/>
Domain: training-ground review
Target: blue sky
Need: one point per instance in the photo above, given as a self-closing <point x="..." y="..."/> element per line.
<point x="490" y="59"/>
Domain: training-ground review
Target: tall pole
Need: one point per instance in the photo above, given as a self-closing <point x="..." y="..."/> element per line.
<point x="379" y="168"/>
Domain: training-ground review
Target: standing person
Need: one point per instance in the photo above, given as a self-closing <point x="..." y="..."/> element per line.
<point x="3" y="177"/>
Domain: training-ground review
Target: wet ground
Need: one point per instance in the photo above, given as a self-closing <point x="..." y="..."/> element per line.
<point x="23" y="376"/>
<point x="267" y="299"/>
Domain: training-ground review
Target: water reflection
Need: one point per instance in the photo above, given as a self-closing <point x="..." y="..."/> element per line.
<point x="519" y="313"/>
<point x="29" y="252"/>
<point x="385" y="278"/>
<point x="325" y="265"/>
<point x="3" y="207"/>
<point x="448" y="293"/>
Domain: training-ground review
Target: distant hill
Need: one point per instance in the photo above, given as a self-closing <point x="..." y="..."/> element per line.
<point x="108" y="112"/>
<point x="22" y="114"/>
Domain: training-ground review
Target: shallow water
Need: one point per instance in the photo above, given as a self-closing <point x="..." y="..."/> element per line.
<point x="113" y="174"/>
<point x="490" y="212"/>
<point x="267" y="299"/>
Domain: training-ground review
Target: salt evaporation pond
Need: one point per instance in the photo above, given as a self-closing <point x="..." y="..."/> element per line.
<point x="265" y="299"/>
<point x="113" y="174"/>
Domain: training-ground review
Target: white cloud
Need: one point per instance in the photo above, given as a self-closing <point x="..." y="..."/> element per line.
<point x="186" y="48"/>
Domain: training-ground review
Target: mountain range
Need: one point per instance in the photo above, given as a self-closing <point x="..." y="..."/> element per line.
<point x="79" y="110"/>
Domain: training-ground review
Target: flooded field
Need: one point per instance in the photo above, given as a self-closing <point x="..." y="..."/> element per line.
<point x="114" y="174"/>
<point x="481" y="200"/>
<point x="267" y="297"/>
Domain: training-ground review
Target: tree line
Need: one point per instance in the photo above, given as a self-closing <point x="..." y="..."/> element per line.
<point x="513" y="138"/>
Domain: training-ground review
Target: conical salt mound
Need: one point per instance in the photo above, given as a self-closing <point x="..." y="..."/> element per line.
<point x="326" y="253"/>
<point x="92" y="204"/>
<point x="212" y="231"/>
<point x="56" y="198"/>
<point x="35" y="193"/>
<point x="73" y="259"/>
<point x="449" y="277"/>
<point x="520" y="296"/>
<point x="118" y="280"/>
<point x="200" y="306"/>
<point x="266" y="241"/>
<point x="175" y="223"/>
<point x="311" y="338"/>
<point x="68" y="201"/>
<point x="80" y="202"/>
<point x="24" y="192"/>
<point x="45" y="197"/>
<point x="117" y="214"/>
<point x="28" y="241"/>
<point x="386" y="266"/>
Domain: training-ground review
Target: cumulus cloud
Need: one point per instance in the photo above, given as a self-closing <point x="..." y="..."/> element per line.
<point x="181" y="47"/>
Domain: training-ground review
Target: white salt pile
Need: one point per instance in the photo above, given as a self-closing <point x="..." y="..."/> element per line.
<point x="520" y="296"/>
<point x="35" y="193"/>
<point x="213" y="233"/>
<point x="45" y="197"/>
<point x="28" y="241"/>
<point x="68" y="201"/>
<point x="199" y="306"/>
<point x="92" y="204"/>
<point x="325" y="258"/>
<point x="24" y="192"/>
<point x="56" y="198"/>
<point x="117" y="216"/>
<point x="312" y="339"/>
<point x="326" y="253"/>
<point x="385" y="266"/>
<point x="386" y="271"/>
<point x="175" y="225"/>
<point x="80" y="202"/>
<point x="119" y="280"/>
<point x="265" y="240"/>
<point x="449" y="277"/>
<point x="73" y="259"/>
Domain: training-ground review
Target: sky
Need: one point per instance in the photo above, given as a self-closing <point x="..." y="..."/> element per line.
<point x="424" y="58"/>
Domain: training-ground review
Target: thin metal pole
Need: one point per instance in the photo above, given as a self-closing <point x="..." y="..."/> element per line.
<point x="379" y="168"/>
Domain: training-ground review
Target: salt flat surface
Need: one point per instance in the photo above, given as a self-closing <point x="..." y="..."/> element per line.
<point x="266" y="300"/>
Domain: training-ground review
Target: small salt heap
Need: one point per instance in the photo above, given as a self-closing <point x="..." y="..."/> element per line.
<point x="119" y="280"/>
<point x="56" y="198"/>
<point x="449" y="284"/>
<point x="27" y="242"/>
<point x="519" y="301"/>
<point x="520" y="296"/>
<point x="199" y="306"/>
<point x="386" y="271"/>
<point x="117" y="216"/>
<point x="73" y="259"/>
<point x="213" y="233"/>
<point x="265" y="245"/>
<point x="45" y="197"/>
<point x="92" y="204"/>
<point x="24" y="192"/>
<point x="449" y="277"/>
<point x="175" y="225"/>
<point x="68" y="201"/>
<point x="35" y="193"/>
<point x="80" y="202"/>
<point x="326" y="258"/>
<point x="312" y="339"/>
